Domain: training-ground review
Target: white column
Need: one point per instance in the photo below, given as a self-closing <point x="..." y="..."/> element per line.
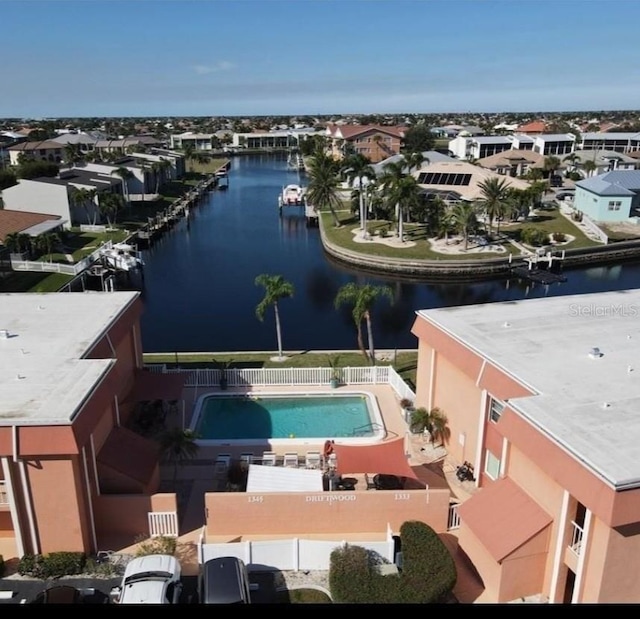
<point x="89" y="500"/>
<point x="94" y="462"/>
<point x="559" y="549"/>
<point x="432" y="377"/>
<point x="477" y="465"/>
<point x="26" y="491"/>
<point x="586" y="534"/>
<point x="13" y="508"/>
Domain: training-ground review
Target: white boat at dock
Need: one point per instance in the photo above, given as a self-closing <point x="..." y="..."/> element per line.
<point x="292" y="195"/>
<point x="122" y="257"/>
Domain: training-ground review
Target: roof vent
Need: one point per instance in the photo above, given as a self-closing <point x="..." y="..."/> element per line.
<point x="595" y="353"/>
<point x="506" y="325"/>
<point x="4" y="334"/>
<point x="606" y="405"/>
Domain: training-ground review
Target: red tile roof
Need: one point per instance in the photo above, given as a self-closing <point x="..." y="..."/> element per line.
<point x="49" y="144"/>
<point x="350" y="131"/>
<point x="503" y="517"/>
<point x="537" y="126"/>
<point x="17" y="221"/>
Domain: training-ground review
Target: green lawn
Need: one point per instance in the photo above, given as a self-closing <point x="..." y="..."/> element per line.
<point x="33" y="282"/>
<point x="405" y="362"/>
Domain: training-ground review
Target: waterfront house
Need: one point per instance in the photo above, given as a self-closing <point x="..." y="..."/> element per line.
<point x="429" y="156"/>
<point x="45" y="150"/>
<point x="373" y="141"/>
<point x="32" y="224"/>
<point x="83" y="142"/>
<point x="53" y="195"/>
<point x="610" y="197"/>
<point x="603" y="161"/>
<point x="544" y="407"/>
<point x="554" y="144"/>
<point x="199" y="141"/>
<point x="456" y="181"/>
<point x="535" y="127"/>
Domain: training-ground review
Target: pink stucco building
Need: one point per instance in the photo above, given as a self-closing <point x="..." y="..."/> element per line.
<point x="542" y="397"/>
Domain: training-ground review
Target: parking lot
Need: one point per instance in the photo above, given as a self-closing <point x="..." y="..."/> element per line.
<point x="96" y="590"/>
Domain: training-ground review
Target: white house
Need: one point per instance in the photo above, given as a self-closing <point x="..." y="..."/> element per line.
<point x="619" y="142"/>
<point x="52" y="196"/>
<point x="604" y="161"/>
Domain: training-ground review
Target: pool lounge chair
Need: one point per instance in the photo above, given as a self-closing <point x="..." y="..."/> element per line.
<point x="290" y="460"/>
<point x="269" y="458"/>
<point x="313" y="460"/>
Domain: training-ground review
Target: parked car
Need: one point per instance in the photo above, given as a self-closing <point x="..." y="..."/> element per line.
<point x="224" y="580"/>
<point x="555" y="181"/>
<point x="154" y="579"/>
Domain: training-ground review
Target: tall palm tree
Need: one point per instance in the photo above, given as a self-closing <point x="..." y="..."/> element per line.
<point x="125" y="174"/>
<point x="362" y="298"/>
<point x="589" y="167"/>
<point x="494" y="193"/>
<point x="414" y="160"/>
<point x="109" y="204"/>
<point x="399" y="189"/>
<point x="276" y="288"/>
<point x="80" y="196"/>
<point x="359" y="173"/>
<point x="322" y="191"/>
<point x="465" y="220"/>
<point x="46" y="242"/>
<point x="188" y="149"/>
<point x="177" y="446"/>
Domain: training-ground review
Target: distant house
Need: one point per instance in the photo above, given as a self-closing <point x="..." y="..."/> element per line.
<point x="610" y="197"/>
<point x="52" y="196"/>
<point x="554" y="144"/>
<point x="618" y="142"/>
<point x="533" y="128"/>
<point x="84" y="143"/>
<point x="430" y="156"/>
<point x="458" y="181"/>
<point x="280" y="138"/>
<point x="45" y="150"/>
<point x="373" y="141"/>
<point x="514" y="162"/>
<point x="604" y="160"/>
<point x="465" y="147"/>
<point x="199" y="141"/>
<point x="124" y="145"/>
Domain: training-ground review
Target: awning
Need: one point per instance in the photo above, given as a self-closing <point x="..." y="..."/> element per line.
<point x="149" y="386"/>
<point x="503" y="517"/>
<point x="283" y="479"/>
<point x="129" y="454"/>
<point x="388" y="458"/>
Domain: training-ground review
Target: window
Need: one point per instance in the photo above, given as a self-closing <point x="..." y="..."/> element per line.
<point x="491" y="465"/>
<point x="495" y="410"/>
<point x="614" y="205"/>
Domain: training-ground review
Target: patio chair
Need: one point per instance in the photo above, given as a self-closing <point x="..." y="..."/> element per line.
<point x="268" y="458"/>
<point x="246" y="459"/>
<point x="290" y="460"/>
<point x="313" y="460"/>
<point x="332" y="461"/>
<point x="369" y="482"/>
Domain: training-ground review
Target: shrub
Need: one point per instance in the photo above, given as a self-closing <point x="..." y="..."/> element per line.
<point x="559" y="237"/>
<point x="384" y="231"/>
<point x="534" y="236"/>
<point x="156" y="545"/>
<point x="52" y="565"/>
<point x="428" y="576"/>
<point x="406" y="403"/>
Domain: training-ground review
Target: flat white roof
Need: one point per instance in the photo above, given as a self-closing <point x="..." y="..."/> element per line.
<point x="587" y="404"/>
<point x="43" y="337"/>
<point x="283" y="479"/>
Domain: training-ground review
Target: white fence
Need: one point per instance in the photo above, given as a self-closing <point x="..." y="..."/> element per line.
<point x="92" y="228"/>
<point x="163" y="524"/>
<point x="269" y="377"/>
<point x="58" y="267"/>
<point x="588" y="223"/>
<point x="289" y="554"/>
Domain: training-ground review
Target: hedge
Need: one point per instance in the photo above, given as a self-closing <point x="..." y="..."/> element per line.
<point x="52" y="565"/>
<point x="428" y="574"/>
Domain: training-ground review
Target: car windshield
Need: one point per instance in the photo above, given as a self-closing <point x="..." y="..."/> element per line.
<point x="147" y="576"/>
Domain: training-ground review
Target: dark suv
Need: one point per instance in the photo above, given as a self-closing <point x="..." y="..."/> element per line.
<point x="224" y="580"/>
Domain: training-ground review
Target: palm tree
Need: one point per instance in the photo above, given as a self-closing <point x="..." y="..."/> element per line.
<point x="177" y="446"/>
<point x="188" y="149"/>
<point x="72" y="154"/>
<point x="362" y="298"/>
<point x="125" y="174"/>
<point x="109" y="204"/>
<point x="589" y="167"/>
<point x="17" y="242"/>
<point x="276" y="288"/>
<point x="46" y="242"/>
<point x="360" y="174"/>
<point x="551" y="164"/>
<point x="434" y="422"/>
<point x="465" y="220"/>
<point x="322" y="191"/>
<point x="399" y="189"/>
<point x="494" y="192"/>
<point x="79" y="196"/>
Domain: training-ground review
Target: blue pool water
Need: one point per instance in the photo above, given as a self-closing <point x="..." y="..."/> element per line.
<point x="284" y="417"/>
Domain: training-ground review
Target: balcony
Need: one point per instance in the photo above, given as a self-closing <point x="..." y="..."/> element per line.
<point x="4" y="495"/>
<point x="576" y="539"/>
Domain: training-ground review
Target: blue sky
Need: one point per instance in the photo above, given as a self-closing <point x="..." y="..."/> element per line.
<point x="246" y="57"/>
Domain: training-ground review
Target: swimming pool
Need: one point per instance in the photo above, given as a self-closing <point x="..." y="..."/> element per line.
<point x="282" y="418"/>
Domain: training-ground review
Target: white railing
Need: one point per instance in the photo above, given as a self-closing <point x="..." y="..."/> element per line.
<point x="270" y="377"/>
<point x="454" y="519"/>
<point x="163" y="524"/>
<point x="587" y="222"/>
<point x="289" y="554"/>
<point x="58" y="267"/>
<point x="577" y="533"/>
<point x="4" y="495"/>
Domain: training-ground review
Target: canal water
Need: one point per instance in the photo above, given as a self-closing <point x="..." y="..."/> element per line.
<point x="199" y="291"/>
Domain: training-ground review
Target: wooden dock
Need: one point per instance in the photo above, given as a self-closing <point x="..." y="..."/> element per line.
<point x="543" y="268"/>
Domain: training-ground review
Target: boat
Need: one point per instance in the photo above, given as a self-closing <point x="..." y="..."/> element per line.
<point x="292" y="195"/>
<point x="122" y="257"/>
